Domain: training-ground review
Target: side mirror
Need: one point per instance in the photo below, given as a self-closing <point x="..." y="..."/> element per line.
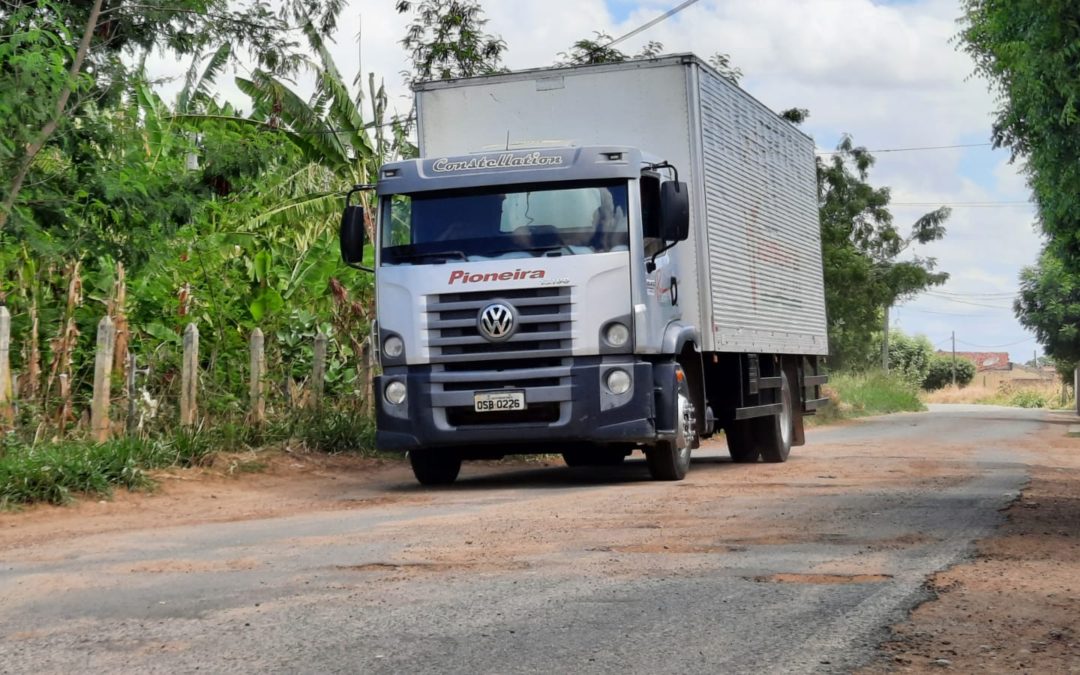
<point x="674" y="211"/>
<point x="352" y="234"/>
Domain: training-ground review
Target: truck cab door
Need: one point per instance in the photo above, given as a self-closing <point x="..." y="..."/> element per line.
<point x="661" y="297"/>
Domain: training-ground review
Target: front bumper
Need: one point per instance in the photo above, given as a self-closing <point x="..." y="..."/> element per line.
<point x="579" y="408"/>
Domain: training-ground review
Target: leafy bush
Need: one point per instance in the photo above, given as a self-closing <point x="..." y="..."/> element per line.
<point x="940" y="373"/>
<point x="1027" y="398"/>
<point x="910" y="357"/>
<point x="51" y="473"/>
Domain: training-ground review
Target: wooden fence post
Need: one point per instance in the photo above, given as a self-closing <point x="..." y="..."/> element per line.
<point x="366" y="378"/>
<point x="258" y="372"/>
<point x="7" y="398"/>
<point x="189" y="376"/>
<point x="132" y="395"/>
<point x="103" y="362"/>
<point x="318" y="371"/>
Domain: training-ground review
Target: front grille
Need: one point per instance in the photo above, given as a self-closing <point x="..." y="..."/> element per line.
<point x="545" y="325"/>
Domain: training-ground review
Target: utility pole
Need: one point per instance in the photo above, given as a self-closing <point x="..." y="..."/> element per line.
<point x="885" y="342"/>
<point x="954" y="358"/>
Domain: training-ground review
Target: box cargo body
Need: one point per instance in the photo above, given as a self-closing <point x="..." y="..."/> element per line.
<point x="754" y="247"/>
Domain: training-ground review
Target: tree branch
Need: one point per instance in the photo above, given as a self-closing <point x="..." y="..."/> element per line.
<point x="50" y="127"/>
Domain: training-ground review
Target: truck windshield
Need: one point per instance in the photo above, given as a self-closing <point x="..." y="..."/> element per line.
<point x="507" y="222"/>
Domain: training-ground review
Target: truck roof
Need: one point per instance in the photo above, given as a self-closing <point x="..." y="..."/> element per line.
<point x="554" y="72"/>
<point x="510" y="166"/>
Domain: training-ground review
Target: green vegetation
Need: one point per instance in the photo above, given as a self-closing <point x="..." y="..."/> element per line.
<point x="941" y="371"/>
<point x="1030" y="52"/>
<point x="53" y="472"/>
<point x="1049" y="305"/>
<point x="870" y="393"/>
<point x="861" y="245"/>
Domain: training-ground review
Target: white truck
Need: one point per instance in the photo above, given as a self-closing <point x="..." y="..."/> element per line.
<point x="592" y="261"/>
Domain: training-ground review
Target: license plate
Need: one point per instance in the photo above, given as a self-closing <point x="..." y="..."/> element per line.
<point x="497" y="401"/>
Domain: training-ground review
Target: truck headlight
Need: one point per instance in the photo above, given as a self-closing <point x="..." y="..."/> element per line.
<point x="393" y="347"/>
<point x="395" y="392"/>
<point x="618" y="381"/>
<point x="617" y="334"/>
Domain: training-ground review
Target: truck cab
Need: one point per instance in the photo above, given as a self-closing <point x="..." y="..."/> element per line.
<point x="524" y="297"/>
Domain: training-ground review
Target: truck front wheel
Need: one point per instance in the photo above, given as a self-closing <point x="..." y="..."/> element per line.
<point x="435" y="467"/>
<point x="670" y="459"/>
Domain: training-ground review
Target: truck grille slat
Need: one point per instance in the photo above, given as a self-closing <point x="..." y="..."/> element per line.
<point x="448" y="377"/>
<point x="520" y="337"/>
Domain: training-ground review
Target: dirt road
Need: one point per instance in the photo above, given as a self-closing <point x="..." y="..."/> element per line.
<point x="800" y="567"/>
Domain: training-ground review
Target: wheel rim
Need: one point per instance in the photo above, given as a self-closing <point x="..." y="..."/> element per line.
<point x="685" y="428"/>
<point x="785" y="411"/>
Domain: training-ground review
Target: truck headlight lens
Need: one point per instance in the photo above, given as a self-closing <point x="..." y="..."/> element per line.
<point x="617" y="334"/>
<point x="395" y="392"/>
<point x="393" y="347"/>
<point x="618" y="381"/>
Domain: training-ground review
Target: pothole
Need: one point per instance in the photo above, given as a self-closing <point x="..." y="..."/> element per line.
<point x="794" y="578"/>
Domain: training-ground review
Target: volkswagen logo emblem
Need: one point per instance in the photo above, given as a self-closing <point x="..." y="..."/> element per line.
<point x="496" y="321"/>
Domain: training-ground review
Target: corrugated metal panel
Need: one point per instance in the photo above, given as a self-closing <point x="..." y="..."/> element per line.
<point x="763" y="235"/>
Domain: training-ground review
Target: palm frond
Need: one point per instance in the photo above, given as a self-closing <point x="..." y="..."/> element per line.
<point x="342" y="110"/>
<point x="320" y="141"/>
<point x="304" y="208"/>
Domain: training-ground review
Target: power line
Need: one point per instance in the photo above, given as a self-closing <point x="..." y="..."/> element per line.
<point x="913" y="149"/>
<point x="930" y="311"/>
<point x="968" y="302"/>
<point x="1009" y="344"/>
<point x="964" y="204"/>
<point x="974" y="293"/>
<point x="649" y="24"/>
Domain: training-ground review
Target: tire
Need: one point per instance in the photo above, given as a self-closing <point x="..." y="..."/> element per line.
<point x="670" y="460"/>
<point x="741" y="443"/>
<point x="435" y="467"/>
<point x="775" y="432"/>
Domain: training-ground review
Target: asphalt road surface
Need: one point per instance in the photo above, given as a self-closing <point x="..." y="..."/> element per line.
<point x="799" y="567"/>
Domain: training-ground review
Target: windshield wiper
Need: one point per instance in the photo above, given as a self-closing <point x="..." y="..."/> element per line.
<point x="439" y="256"/>
<point x="546" y="250"/>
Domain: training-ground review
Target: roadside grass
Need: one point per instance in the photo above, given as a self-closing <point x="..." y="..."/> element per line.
<point x="1027" y="395"/>
<point x="863" y="394"/>
<point x="55" y="473"/>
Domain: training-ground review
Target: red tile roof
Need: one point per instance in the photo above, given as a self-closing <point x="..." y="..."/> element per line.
<point x="984" y="360"/>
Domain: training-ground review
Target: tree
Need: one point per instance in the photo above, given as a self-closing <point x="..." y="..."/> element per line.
<point x="94" y="39"/>
<point x="1030" y="52"/>
<point x="1049" y="305"/>
<point x="446" y="40"/>
<point x="599" y="49"/>
<point x="944" y="368"/>
<point x="910" y="356"/>
<point x="722" y="63"/>
<point x="861" y="248"/>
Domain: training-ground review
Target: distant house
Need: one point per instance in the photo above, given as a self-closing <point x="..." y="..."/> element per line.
<point x="984" y="361"/>
<point x="994" y="370"/>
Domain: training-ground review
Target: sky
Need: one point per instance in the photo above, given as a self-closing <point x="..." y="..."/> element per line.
<point x="888" y="73"/>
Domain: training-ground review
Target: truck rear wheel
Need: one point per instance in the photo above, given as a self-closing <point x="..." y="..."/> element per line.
<point x="435" y="467"/>
<point x="741" y="442"/>
<point x="775" y="432"/>
<point x="670" y="459"/>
